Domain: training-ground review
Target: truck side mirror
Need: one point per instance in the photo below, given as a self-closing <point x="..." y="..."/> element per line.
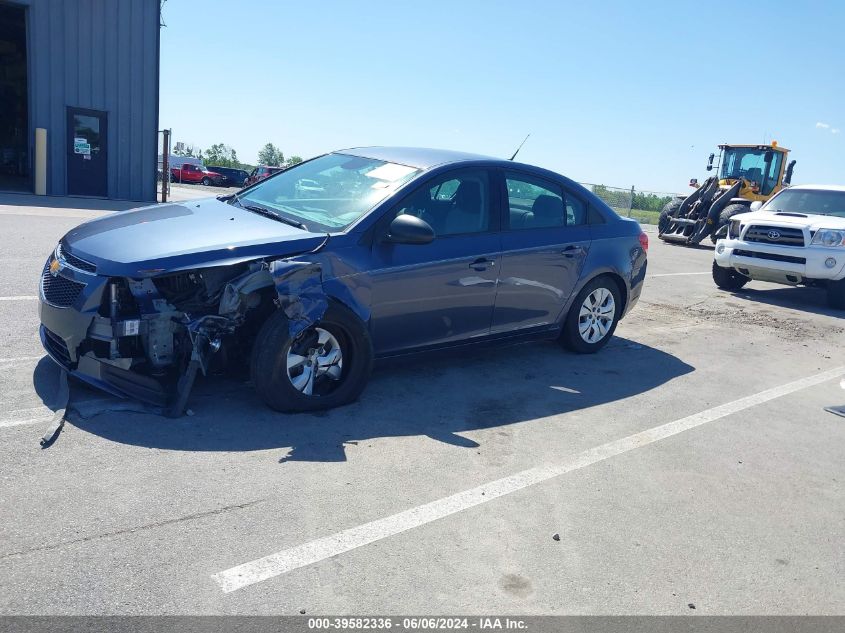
<point x="710" y="162"/>
<point x="768" y="157"/>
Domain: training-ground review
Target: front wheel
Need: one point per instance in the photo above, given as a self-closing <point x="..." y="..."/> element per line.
<point x="325" y="366"/>
<point x="206" y="181"/>
<point x="592" y="317"/>
<point x="728" y="278"/>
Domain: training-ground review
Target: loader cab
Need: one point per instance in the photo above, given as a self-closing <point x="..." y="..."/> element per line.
<point x="761" y="167"/>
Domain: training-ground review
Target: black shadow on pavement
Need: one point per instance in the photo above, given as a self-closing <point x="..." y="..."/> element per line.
<point x="437" y="397"/>
<point x="796" y="298"/>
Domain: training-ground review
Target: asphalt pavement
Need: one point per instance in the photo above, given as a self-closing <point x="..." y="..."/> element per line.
<point x="688" y="467"/>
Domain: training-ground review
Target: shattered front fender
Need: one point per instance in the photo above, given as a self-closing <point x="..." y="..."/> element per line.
<point x="299" y="286"/>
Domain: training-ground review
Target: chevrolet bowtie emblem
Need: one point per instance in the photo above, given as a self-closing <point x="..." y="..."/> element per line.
<point x="55" y="267"/>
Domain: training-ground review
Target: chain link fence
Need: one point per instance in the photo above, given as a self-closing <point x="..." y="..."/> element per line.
<point x="643" y="206"/>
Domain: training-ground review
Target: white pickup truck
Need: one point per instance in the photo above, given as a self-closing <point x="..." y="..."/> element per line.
<point x="796" y="238"/>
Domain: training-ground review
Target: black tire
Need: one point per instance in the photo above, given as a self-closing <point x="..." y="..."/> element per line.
<point x="669" y="211"/>
<point x="570" y="336"/>
<point x="836" y="294"/>
<point x="269" y="370"/>
<point x="730" y="211"/>
<point x="172" y="178"/>
<point x="206" y="181"/>
<point x="728" y="278"/>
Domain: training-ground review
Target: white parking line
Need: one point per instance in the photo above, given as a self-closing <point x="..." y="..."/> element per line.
<point x="677" y="274"/>
<point x="20" y="359"/>
<point x="320" y="549"/>
<point x="19" y="298"/>
<point x="5" y="424"/>
<point x="10" y="419"/>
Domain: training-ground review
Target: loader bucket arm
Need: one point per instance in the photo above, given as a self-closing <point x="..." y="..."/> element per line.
<point x="694" y="197"/>
<point x="711" y="224"/>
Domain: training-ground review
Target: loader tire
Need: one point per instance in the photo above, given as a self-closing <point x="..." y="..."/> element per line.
<point x="730" y="211"/>
<point x="669" y="211"/>
<point x="725" y="217"/>
<point x="728" y="278"/>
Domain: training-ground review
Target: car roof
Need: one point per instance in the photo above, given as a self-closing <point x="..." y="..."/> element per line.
<point x="419" y="157"/>
<point x="818" y="187"/>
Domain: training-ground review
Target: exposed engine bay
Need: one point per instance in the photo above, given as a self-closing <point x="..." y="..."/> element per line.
<point x="152" y="336"/>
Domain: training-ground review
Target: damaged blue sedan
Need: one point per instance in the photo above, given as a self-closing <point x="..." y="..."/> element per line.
<point x="309" y="276"/>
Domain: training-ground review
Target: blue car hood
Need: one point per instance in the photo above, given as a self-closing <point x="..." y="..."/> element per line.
<point x="170" y="237"/>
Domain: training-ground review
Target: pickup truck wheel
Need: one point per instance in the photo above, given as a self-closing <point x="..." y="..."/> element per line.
<point x="592" y="317"/>
<point x="325" y="366"/>
<point x="836" y="294"/>
<point x="206" y="181"/>
<point x="728" y="278"/>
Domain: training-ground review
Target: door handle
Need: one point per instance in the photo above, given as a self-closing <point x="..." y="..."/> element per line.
<point x="482" y="264"/>
<point x="572" y="250"/>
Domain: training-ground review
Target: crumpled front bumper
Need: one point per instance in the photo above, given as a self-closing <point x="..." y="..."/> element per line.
<point x="66" y="317"/>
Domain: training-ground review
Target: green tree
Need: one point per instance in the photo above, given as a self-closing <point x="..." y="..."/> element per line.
<point x="293" y="160"/>
<point x="270" y="155"/>
<point x="221" y="155"/>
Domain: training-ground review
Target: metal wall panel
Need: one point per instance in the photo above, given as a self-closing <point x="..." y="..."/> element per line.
<point x="101" y="55"/>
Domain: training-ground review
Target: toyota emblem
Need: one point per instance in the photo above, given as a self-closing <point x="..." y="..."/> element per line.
<point x="773" y="235"/>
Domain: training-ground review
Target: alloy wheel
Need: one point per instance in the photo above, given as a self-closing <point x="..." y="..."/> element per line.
<point x="596" y="315"/>
<point x="315" y="362"/>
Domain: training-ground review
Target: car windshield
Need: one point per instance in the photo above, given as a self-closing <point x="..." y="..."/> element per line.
<point x="332" y="191"/>
<point x="809" y="201"/>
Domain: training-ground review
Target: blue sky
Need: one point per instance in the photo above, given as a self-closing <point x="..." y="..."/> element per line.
<point x="611" y="92"/>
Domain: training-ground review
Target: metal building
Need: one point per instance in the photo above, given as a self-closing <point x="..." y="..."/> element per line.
<point x="87" y="72"/>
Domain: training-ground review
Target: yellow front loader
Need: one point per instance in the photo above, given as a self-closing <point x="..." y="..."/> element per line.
<point x="746" y="174"/>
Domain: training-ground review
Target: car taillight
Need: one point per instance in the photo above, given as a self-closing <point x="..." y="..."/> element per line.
<point x="644" y="241"/>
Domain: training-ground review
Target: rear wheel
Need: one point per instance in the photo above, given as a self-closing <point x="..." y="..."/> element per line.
<point x="592" y="317"/>
<point x="669" y="211"/>
<point x="728" y="278"/>
<point x="836" y="294"/>
<point x="325" y="366"/>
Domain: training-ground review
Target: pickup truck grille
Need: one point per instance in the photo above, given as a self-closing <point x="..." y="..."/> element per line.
<point x="781" y="235"/>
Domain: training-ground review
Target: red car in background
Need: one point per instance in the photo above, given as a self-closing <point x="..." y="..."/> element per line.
<point x="196" y="174"/>
<point x="261" y="172"/>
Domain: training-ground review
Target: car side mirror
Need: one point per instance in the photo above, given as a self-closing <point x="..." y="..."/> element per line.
<point x="409" y="229"/>
<point x="756" y="205"/>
